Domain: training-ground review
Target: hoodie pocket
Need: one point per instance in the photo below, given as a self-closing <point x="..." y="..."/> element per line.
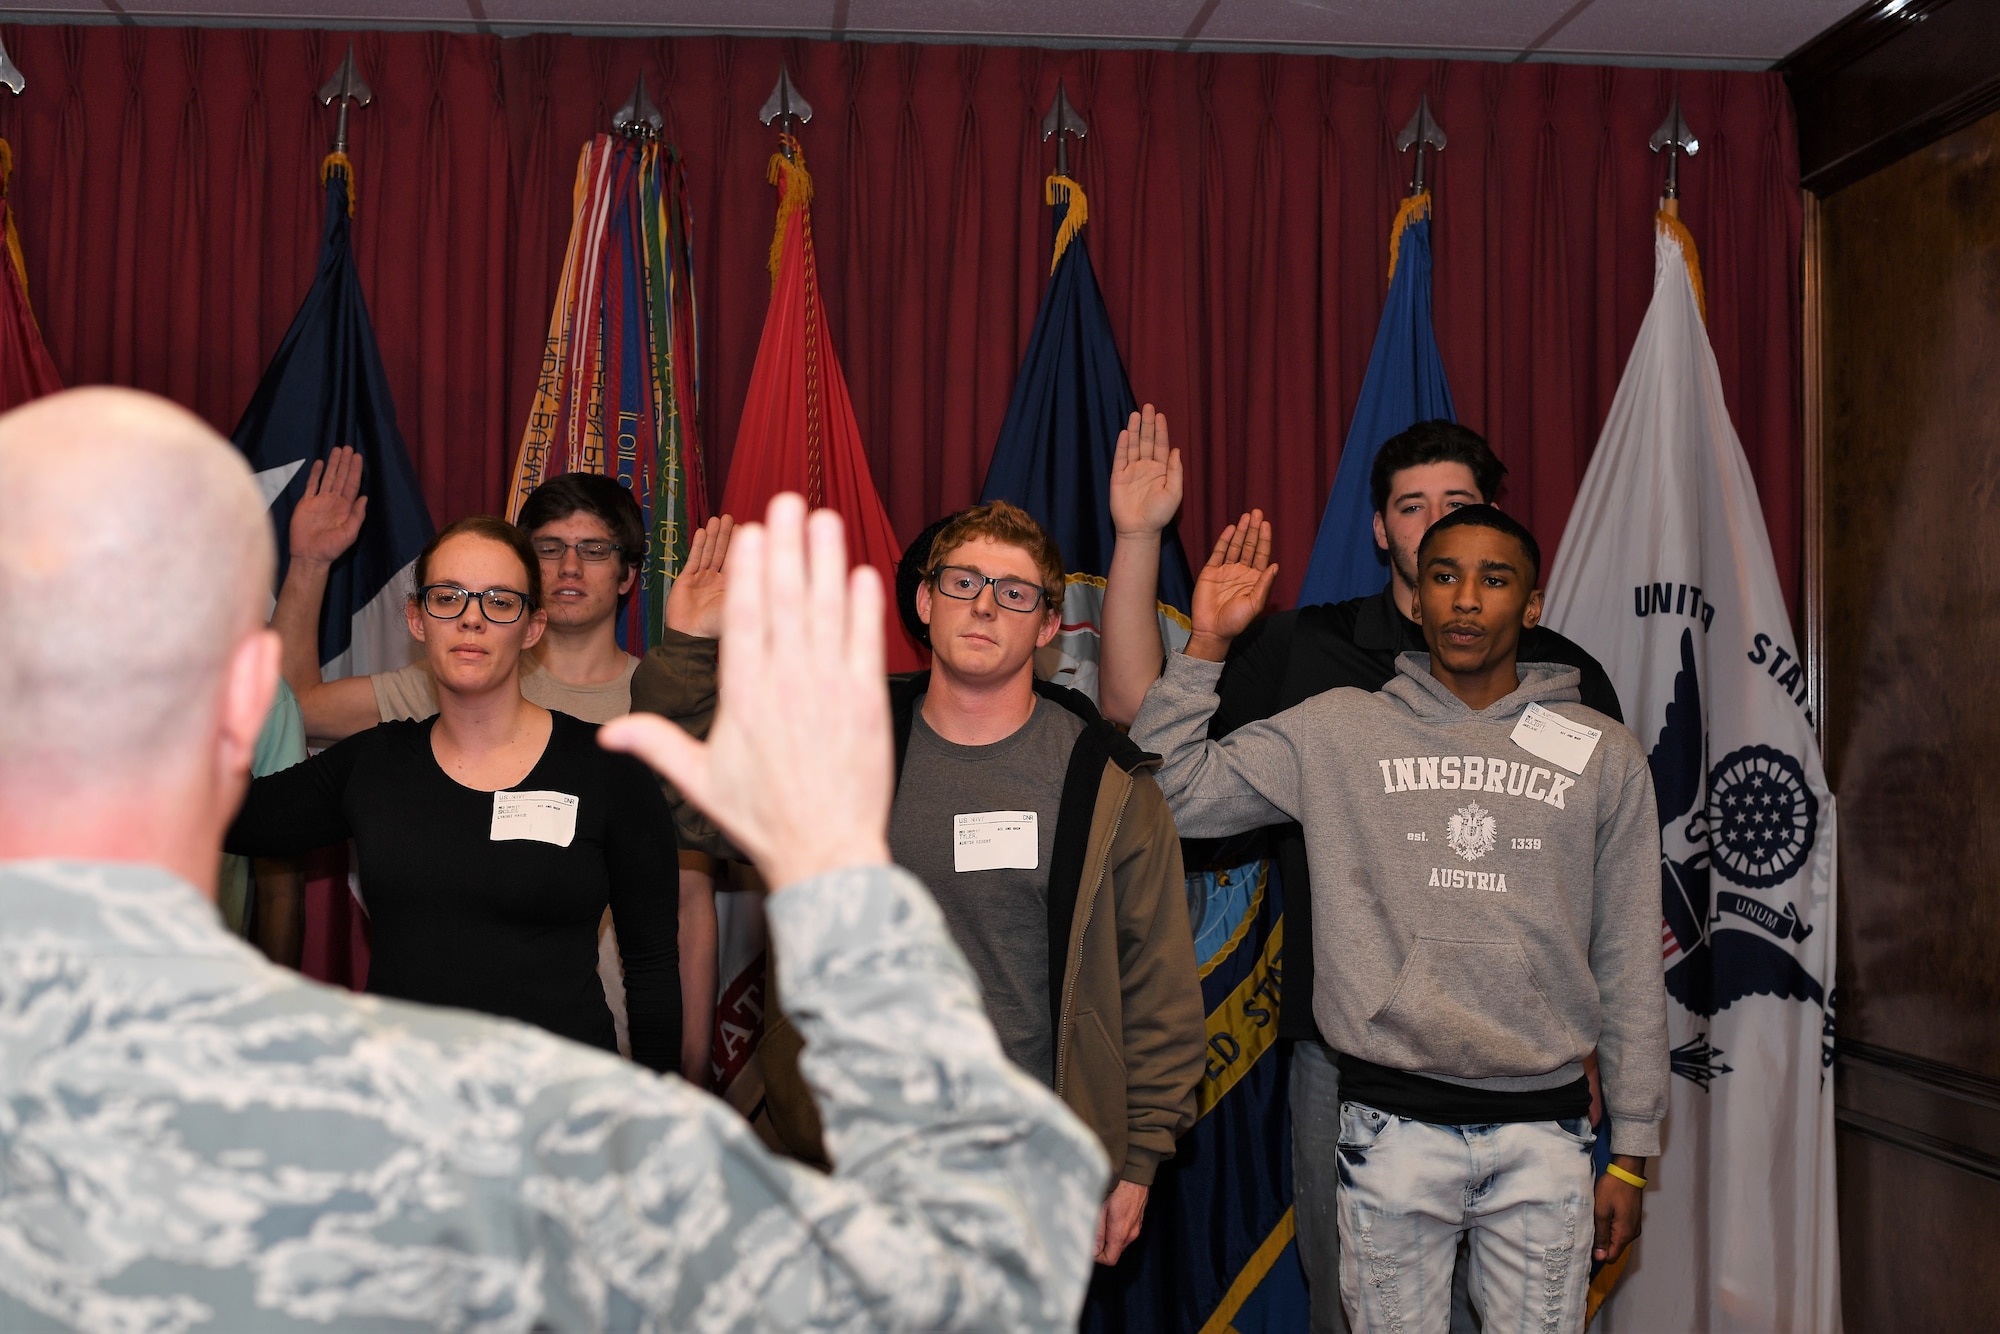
<point x="1472" y="1008"/>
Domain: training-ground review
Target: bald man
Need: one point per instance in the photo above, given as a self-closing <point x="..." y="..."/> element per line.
<point x="195" y="1139"/>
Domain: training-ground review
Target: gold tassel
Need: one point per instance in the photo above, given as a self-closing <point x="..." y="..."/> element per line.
<point x="1079" y="213"/>
<point x="1675" y="228"/>
<point x="13" y="233"/>
<point x="345" y="163"/>
<point x="1414" y="209"/>
<point x="795" y="186"/>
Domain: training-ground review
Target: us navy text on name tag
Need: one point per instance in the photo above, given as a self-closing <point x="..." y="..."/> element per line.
<point x="996" y="841"/>
<point x="542" y="817"/>
<point x="1547" y="735"/>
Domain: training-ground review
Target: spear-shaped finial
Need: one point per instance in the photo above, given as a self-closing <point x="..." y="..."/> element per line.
<point x="786" y="107"/>
<point x="1674" y="136"/>
<point x="345" y="87"/>
<point x="1063" y="121"/>
<point x="10" y="73"/>
<point x="1422" y="132"/>
<point x="638" y="118"/>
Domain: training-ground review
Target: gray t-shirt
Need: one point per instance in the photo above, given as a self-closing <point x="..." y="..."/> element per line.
<point x="998" y="917"/>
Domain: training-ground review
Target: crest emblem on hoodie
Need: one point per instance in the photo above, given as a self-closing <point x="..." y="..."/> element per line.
<point x="1471" y="833"/>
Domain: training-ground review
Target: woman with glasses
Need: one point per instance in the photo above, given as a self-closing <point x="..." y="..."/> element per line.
<point x="493" y="834"/>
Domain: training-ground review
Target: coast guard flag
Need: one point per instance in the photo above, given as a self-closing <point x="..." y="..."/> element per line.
<point x="1404" y="385"/>
<point x="1665" y="573"/>
<point x="326" y="387"/>
<point x="1056" y="446"/>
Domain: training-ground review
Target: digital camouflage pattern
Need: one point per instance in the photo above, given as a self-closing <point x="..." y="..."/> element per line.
<point x="194" y="1139"/>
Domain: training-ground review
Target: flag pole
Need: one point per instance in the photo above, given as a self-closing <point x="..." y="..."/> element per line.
<point x="347" y="88"/>
<point x="1062" y="121"/>
<point x="1675" y="137"/>
<point x="1422" y="132"/>
<point x="639" y="119"/>
<point x="788" y="108"/>
<point x="10" y="73"/>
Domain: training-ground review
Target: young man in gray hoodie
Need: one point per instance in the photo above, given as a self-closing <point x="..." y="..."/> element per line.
<point x="1483" y="852"/>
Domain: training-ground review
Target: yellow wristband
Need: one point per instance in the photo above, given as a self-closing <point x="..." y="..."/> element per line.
<point x="1629" y="1178"/>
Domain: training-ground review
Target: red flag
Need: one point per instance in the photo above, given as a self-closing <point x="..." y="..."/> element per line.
<point x="798" y="431"/>
<point x="26" y="370"/>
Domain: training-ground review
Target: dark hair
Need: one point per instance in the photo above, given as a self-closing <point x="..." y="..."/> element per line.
<point x="910" y="577"/>
<point x="999" y="521"/>
<point x="494" y="529"/>
<point x="1436" y="441"/>
<point x="1485" y="516"/>
<point x="601" y="497"/>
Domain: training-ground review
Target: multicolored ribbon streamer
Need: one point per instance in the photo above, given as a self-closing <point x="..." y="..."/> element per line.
<point x="619" y="389"/>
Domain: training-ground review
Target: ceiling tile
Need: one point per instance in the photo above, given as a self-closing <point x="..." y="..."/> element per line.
<point x="1453" y="25"/>
<point x="1698" y="29"/>
<point x="747" y="16"/>
<point x="1023" y="20"/>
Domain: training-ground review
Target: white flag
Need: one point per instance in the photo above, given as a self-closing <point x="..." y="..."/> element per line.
<point x="1665" y="573"/>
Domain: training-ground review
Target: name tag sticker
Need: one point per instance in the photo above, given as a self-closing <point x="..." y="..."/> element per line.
<point x="995" y="841"/>
<point x="542" y="817"/>
<point x="1547" y="735"/>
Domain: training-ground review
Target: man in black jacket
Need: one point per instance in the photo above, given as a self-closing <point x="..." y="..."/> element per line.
<point x="1423" y="474"/>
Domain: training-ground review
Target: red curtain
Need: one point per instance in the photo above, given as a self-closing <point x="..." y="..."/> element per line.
<point x="167" y="196"/>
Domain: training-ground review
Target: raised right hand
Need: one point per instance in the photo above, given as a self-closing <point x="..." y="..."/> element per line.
<point x="1145" y="477"/>
<point x="797" y="768"/>
<point x="328" y="516"/>
<point x="1232" y="588"/>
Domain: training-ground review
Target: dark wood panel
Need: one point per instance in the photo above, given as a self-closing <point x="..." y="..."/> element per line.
<point x="1916" y="1241"/>
<point x="1893" y="77"/>
<point x="1907" y="263"/>
<point x="1910" y="328"/>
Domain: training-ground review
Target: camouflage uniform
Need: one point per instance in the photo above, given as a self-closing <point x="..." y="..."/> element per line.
<point x="192" y="1138"/>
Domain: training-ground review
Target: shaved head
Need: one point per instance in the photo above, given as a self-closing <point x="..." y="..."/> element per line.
<point x="135" y="559"/>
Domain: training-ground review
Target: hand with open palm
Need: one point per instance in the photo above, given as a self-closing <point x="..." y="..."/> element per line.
<point x="328" y="517"/>
<point x="1145" y="478"/>
<point x="694" y="603"/>
<point x="1233" y="587"/>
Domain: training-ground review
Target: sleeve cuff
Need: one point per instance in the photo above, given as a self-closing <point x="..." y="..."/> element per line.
<point x="1641" y="1139"/>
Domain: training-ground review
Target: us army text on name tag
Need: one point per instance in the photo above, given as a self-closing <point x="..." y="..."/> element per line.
<point x="543" y="817"/>
<point x="1548" y="735"/>
<point x="995" y="841"/>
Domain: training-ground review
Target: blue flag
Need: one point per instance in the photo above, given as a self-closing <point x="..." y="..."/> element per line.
<point x="1217" y="1250"/>
<point x="326" y="387"/>
<point x="1059" y="438"/>
<point x="1404" y="385"/>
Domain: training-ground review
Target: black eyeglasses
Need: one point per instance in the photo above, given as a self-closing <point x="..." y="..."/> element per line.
<point x="591" y="548"/>
<point x="955" y="581"/>
<point x="502" y="606"/>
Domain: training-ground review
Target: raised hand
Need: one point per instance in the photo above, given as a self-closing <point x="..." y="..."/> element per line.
<point x="797" y="766"/>
<point x="328" y="516"/>
<point x="694" y="603"/>
<point x="1232" y="588"/>
<point x="1145" y="477"/>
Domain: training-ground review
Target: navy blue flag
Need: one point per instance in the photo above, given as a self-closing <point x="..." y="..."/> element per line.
<point x="326" y="387"/>
<point x="1057" y="444"/>
<point x="1218" y="1250"/>
<point x="1405" y="385"/>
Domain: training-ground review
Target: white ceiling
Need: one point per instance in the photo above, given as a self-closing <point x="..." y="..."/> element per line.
<point x="1667" y="32"/>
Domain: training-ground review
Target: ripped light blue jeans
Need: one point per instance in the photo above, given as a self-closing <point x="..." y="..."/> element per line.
<point x="1408" y="1189"/>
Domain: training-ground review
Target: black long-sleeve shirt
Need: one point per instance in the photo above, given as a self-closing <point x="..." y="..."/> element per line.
<point x="504" y="927"/>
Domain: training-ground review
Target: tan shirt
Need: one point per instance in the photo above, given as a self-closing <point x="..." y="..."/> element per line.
<point x="411" y="693"/>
